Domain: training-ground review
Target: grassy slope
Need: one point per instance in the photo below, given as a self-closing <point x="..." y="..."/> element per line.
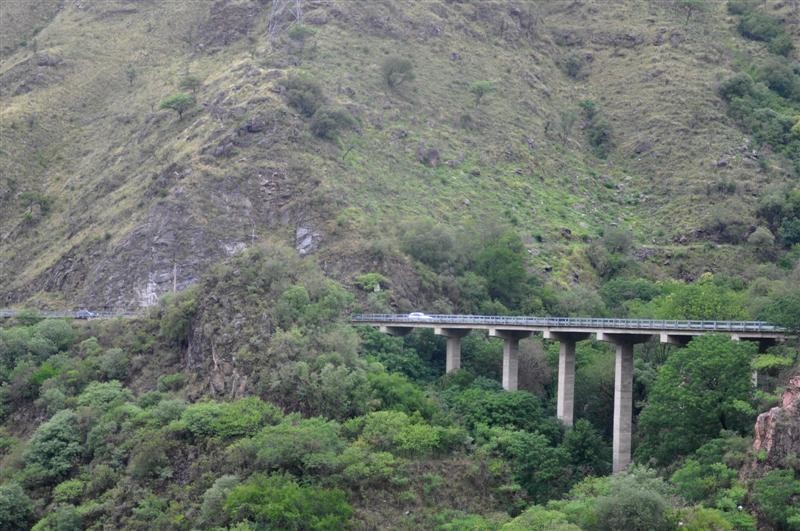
<point x="93" y="143"/>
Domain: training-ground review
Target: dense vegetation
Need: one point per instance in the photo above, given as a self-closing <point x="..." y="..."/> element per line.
<point x="339" y="427"/>
<point x="471" y="157"/>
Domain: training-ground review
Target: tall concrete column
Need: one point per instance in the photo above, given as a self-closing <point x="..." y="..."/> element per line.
<point x="453" y="335"/>
<point x="565" y="401"/>
<point x="623" y="407"/>
<point x="510" y="355"/>
<point x="623" y="396"/>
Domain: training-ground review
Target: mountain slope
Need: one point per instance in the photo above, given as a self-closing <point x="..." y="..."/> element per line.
<point x="112" y="201"/>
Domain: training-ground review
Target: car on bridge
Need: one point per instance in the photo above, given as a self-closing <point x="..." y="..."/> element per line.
<point x="419" y="316"/>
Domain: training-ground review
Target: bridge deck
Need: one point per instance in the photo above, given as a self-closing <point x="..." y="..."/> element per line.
<point x="755" y="329"/>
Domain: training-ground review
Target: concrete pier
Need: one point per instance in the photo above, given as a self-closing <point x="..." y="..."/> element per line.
<point x="623" y="396"/>
<point x="510" y="355"/>
<point x="453" y="335"/>
<point x="565" y="401"/>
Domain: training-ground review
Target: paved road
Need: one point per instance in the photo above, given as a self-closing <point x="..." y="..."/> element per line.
<point x="76" y="314"/>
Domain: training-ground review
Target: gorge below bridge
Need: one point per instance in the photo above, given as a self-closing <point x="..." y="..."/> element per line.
<point x="622" y="333"/>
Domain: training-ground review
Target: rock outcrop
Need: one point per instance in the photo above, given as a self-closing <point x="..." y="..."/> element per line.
<point x="777" y="433"/>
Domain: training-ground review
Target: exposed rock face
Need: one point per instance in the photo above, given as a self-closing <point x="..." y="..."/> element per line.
<point x="777" y="432"/>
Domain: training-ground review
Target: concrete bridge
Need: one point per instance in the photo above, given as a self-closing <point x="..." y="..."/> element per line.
<point x="622" y="333"/>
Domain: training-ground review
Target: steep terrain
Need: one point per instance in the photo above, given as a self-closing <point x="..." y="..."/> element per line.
<point x="110" y="201"/>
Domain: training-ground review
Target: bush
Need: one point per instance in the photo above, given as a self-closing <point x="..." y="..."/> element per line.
<point x="113" y="364"/>
<point x="397" y="71"/>
<point x="62" y="518"/>
<point x="304" y="95"/>
<point x="149" y="458"/>
<point x="538" y="518"/>
<point x="104" y="395"/>
<point x="780" y="79"/>
<point x="737" y="86"/>
<point x="777" y="496"/>
<point x="16" y="508"/>
<point x="573" y="65"/>
<point x="55" y="445"/>
<point x="479" y="89"/>
<point x="172" y="382"/>
<point x="599" y="133"/>
<point x="212" y="510"/>
<point x="243" y="417"/>
<point x="327" y="122"/>
<point x="177" y="311"/>
<point x="69" y="491"/>
<point x="299" y="32"/>
<point x="759" y="26"/>
<point x="278" y="502"/>
<point x="632" y="506"/>
<point x="295" y="445"/>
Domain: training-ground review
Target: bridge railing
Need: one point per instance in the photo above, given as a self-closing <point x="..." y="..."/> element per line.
<point x="576" y="322"/>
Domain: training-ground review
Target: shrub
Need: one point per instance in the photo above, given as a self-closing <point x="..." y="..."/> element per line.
<point x="762" y="241"/>
<point x="149" y="459"/>
<point x="396" y="71"/>
<point x="633" y="506"/>
<point x="790" y="231"/>
<point x="177" y="311"/>
<point x="231" y="419"/>
<point x="278" y="502"/>
<point x="62" y="518"/>
<point x="171" y="382"/>
<point x="780" y="79"/>
<point x="55" y="445"/>
<point x="294" y="445"/>
<point x="759" y="26"/>
<point x="538" y="518"/>
<point x="212" y="510"/>
<point x="370" y="281"/>
<point x="299" y="32"/>
<point x="304" y="95"/>
<point x="179" y="102"/>
<point x="57" y="331"/>
<point x="572" y="65"/>
<point x="113" y="364"/>
<point x="781" y="45"/>
<point x="69" y="491"/>
<point x="739" y="85"/>
<point x="104" y="395"/>
<point x="777" y="495"/>
<point x="326" y="122"/>
<point x="599" y="133"/>
<point x="479" y="89"/>
<point x="16" y="508"/>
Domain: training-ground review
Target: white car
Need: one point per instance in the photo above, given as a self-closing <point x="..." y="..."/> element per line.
<point x="419" y="316"/>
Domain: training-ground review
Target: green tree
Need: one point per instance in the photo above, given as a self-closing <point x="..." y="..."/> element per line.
<point x="190" y="82"/>
<point x="16" y="508"/>
<point x="701" y="390"/>
<point x="396" y="71"/>
<point x="179" y="102"/>
<point x="481" y="88"/>
<point x="777" y="495"/>
<point x="55" y="446"/>
<point x="691" y="7"/>
<point x="502" y="263"/>
<point x="704" y="300"/>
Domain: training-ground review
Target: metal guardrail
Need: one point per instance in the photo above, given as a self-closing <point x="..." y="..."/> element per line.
<point x="77" y="314"/>
<point x="571" y="322"/>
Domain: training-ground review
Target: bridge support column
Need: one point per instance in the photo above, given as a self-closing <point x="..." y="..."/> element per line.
<point x="453" y="335"/>
<point x="565" y="402"/>
<point x="510" y="355"/>
<point x="623" y="397"/>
